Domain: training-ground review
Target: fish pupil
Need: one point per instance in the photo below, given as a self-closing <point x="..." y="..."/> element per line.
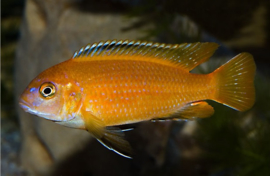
<point x="47" y="91"/>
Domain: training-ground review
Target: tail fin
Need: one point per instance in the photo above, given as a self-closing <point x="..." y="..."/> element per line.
<point x="235" y="82"/>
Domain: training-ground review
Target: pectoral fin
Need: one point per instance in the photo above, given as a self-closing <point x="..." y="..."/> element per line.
<point x="110" y="137"/>
<point x="199" y="109"/>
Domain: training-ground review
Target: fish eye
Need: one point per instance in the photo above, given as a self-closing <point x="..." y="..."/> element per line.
<point x="47" y="90"/>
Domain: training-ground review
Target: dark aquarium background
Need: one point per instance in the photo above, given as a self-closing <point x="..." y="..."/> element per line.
<point x="37" y="34"/>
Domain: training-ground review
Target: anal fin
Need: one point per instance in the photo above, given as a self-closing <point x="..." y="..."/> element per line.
<point x="112" y="138"/>
<point x="199" y="109"/>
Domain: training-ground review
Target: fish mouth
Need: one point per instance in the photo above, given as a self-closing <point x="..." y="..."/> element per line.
<point x="27" y="108"/>
<point x="25" y="105"/>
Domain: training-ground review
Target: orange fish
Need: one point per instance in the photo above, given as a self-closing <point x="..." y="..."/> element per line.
<point x="121" y="82"/>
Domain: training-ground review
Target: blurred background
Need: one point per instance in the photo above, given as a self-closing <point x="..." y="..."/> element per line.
<point x="36" y="34"/>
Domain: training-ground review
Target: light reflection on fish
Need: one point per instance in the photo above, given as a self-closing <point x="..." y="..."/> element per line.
<point x="121" y="82"/>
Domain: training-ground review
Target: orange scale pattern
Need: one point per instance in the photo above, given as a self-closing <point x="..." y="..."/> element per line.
<point x="127" y="91"/>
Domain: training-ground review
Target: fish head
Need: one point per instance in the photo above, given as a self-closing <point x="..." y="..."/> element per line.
<point x="55" y="99"/>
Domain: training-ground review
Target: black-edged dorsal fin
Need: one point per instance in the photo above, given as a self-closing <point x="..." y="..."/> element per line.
<point x="186" y="55"/>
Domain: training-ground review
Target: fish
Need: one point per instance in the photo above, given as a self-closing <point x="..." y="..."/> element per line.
<point x="117" y="82"/>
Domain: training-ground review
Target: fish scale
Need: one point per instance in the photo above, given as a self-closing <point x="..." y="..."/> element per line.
<point x="147" y="90"/>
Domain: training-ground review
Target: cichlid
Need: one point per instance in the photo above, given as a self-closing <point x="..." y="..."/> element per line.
<point x="121" y="82"/>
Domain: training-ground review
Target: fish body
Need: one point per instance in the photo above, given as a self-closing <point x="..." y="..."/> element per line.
<point x="113" y="83"/>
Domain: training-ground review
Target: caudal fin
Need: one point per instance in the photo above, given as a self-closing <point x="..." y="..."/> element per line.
<point x="235" y="82"/>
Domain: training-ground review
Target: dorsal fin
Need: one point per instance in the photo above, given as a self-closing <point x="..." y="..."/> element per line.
<point x="186" y="55"/>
